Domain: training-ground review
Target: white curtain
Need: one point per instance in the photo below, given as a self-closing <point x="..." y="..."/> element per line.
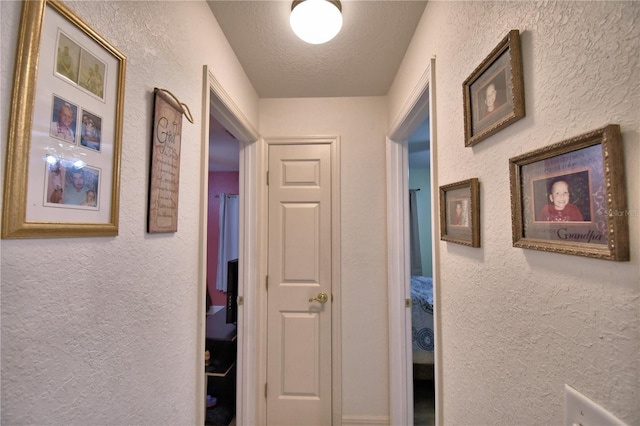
<point x="414" y="235"/>
<point x="228" y="240"/>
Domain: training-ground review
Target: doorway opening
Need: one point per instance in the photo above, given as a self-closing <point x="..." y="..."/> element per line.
<point x="218" y="105"/>
<point x="421" y="270"/>
<point x="418" y="108"/>
<point x="223" y="216"/>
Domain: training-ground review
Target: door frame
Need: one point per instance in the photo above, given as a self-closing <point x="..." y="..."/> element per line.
<point x="336" y="308"/>
<point x="420" y="105"/>
<point x="218" y="103"/>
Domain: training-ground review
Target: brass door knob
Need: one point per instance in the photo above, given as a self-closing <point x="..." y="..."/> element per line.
<point x="322" y="298"/>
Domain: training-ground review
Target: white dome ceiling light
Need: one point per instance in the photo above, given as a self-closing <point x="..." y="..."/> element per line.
<point x="316" y="21"/>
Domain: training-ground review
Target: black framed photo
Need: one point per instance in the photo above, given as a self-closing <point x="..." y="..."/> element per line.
<point x="494" y="92"/>
<point x="570" y="197"/>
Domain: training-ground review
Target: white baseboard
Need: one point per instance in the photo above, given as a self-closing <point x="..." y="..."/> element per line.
<point x="365" y="420"/>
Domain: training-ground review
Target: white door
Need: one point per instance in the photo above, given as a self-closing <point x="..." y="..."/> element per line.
<point x="299" y="270"/>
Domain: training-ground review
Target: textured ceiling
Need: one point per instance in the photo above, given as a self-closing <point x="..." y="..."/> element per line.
<point x="361" y="60"/>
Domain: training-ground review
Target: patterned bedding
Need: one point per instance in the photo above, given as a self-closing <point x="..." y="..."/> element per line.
<point x="422" y="314"/>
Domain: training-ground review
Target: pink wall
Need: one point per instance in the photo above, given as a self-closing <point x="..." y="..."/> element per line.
<point x="219" y="182"/>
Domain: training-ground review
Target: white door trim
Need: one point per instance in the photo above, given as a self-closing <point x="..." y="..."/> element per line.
<point x="336" y="336"/>
<point x="218" y="103"/>
<point x="419" y="105"/>
<point x="401" y="388"/>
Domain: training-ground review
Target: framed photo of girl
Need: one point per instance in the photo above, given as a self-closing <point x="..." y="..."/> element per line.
<point x="460" y="212"/>
<point x="65" y="129"/>
<point x="494" y="92"/>
<point x="570" y="197"/>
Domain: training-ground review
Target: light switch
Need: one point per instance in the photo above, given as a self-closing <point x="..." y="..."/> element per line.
<point x="581" y="411"/>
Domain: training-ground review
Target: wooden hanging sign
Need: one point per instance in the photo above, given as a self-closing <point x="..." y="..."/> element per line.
<point x="164" y="178"/>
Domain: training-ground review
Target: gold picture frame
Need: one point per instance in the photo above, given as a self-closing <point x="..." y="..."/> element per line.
<point x="494" y="92"/>
<point x="62" y="174"/>
<point x="570" y="197"/>
<point x="460" y="212"/>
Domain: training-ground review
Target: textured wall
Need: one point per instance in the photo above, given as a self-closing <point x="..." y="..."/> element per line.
<point x="518" y="324"/>
<point x="361" y="125"/>
<point x="103" y="330"/>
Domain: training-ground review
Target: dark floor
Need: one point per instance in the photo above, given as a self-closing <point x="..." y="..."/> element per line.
<point x="424" y="403"/>
<point x="220" y="415"/>
<point x="423" y="407"/>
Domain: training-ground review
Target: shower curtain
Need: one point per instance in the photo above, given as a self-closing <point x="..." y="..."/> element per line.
<point x="228" y="241"/>
<point x="414" y="235"/>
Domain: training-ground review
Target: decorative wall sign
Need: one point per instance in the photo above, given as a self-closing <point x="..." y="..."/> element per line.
<point x="65" y="128"/>
<point x="570" y="197"/>
<point x="165" y="162"/>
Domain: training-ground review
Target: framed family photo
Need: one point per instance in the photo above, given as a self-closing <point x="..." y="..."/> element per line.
<point x="65" y="128"/>
<point x="570" y="197"/>
<point x="494" y="92"/>
<point x="460" y="212"/>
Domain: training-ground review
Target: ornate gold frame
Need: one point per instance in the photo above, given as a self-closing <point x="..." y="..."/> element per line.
<point x="21" y="121"/>
<point x="603" y="232"/>
<point x="476" y="126"/>
<point x="468" y="232"/>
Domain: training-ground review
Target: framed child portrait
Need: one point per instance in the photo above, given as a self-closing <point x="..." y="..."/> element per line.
<point x="570" y="197"/>
<point x="65" y="128"/>
<point x="494" y="92"/>
<point x="460" y="212"/>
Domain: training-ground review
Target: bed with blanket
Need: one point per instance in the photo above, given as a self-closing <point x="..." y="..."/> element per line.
<point x="422" y="319"/>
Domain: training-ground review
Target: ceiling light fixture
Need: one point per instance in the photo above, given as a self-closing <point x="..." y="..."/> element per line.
<point x="316" y="21"/>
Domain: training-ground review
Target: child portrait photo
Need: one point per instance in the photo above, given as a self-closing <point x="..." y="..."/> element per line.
<point x="562" y="198"/>
<point x="459" y="212"/>
<point x="90" y="130"/>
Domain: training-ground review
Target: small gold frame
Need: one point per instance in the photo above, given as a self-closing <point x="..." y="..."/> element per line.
<point x="460" y="212"/>
<point x="498" y="81"/>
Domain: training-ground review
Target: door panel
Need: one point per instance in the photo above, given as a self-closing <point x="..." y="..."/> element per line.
<point x="301" y="243"/>
<point x="300" y="335"/>
<point x="299" y="269"/>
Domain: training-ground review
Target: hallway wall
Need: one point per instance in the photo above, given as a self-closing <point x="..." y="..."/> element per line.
<point x="518" y="324"/>
<point x="104" y="330"/>
<point x="361" y="125"/>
